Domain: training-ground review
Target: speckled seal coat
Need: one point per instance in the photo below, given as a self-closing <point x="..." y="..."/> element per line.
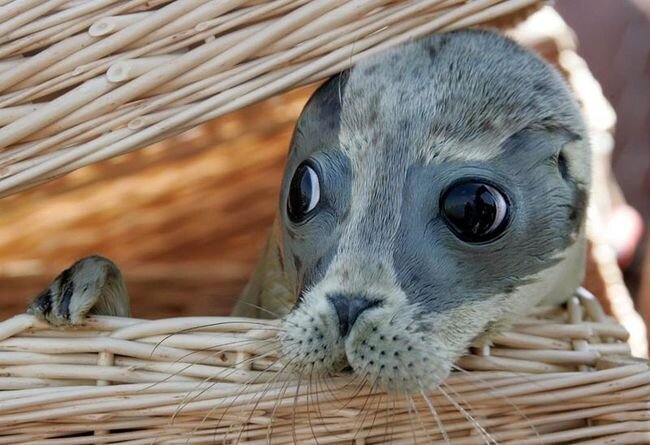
<point x="379" y="272"/>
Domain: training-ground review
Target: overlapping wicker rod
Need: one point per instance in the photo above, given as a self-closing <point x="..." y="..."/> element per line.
<point x="82" y="81"/>
<point x="562" y="375"/>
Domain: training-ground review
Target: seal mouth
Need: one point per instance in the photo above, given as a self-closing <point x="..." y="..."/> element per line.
<point x="385" y="345"/>
<point x="392" y="352"/>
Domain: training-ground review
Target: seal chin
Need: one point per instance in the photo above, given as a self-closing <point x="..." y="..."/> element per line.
<point x="393" y="352"/>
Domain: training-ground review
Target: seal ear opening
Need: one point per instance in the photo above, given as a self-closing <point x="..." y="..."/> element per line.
<point x="563" y="157"/>
<point x="575" y="173"/>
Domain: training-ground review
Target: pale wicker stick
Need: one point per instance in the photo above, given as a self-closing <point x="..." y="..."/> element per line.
<point x="556" y="331"/>
<point x="9" y="11"/>
<point x="404" y="16"/>
<point x="554" y="357"/>
<point x="71" y="4"/>
<point x="601" y="412"/>
<point x="56" y="19"/>
<point x="19" y="78"/>
<point x="111" y="24"/>
<point x="527" y="341"/>
<point x="131" y="68"/>
<point x="14" y="113"/>
<point x="49" y="56"/>
<point x="92" y="127"/>
<point x="59" y="107"/>
<point x="42" y="38"/>
<point x="333" y="19"/>
<point x="206" y="57"/>
<point x="94" y="144"/>
<point x="7" y="26"/>
<point x="190" y="20"/>
<point x="10" y="63"/>
<point x="59" y="32"/>
<point x="232" y="21"/>
<point x="118" y="40"/>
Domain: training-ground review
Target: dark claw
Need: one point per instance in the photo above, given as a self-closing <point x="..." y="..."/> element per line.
<point x="64" y="305"/>
<point x="43" y="302"/>
<point x="67" y="285"/>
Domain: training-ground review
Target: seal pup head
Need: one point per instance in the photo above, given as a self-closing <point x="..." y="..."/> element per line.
<point x="432" y="191"/>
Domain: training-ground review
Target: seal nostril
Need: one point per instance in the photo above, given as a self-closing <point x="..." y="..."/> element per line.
<point x="348" y="308"/>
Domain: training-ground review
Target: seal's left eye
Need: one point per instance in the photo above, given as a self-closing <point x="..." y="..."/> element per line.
<point x="475" y="211"/>
<point x="304" y="193"/>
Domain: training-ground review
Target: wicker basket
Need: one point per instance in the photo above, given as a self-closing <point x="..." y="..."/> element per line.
<point x="563" y="375"/>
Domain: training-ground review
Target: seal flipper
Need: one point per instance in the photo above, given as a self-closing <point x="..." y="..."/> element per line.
<point x="93" y="284"/>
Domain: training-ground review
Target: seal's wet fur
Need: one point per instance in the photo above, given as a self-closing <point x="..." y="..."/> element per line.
<point x="387" y="138"/>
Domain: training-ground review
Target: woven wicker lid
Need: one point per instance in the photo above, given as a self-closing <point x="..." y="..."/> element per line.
<point x="82" y="81"/>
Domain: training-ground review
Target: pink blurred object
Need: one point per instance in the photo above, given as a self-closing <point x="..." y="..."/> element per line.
<point x="624" y="229"/>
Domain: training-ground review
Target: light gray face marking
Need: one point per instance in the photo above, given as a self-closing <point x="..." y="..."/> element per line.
<point x="389" y="139"/>
<point x="309" y="247"/>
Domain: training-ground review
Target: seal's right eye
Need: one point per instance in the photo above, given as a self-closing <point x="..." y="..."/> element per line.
<point x="304" y="193"/>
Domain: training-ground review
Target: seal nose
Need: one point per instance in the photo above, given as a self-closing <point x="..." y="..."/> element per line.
<point x="348" y="308"/>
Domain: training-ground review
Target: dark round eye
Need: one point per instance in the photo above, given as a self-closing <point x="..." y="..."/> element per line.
<point x="304" y="193"/>
<point x="476" y="212"/>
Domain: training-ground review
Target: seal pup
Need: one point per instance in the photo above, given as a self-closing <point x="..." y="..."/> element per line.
<point x="433" y="193"/>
